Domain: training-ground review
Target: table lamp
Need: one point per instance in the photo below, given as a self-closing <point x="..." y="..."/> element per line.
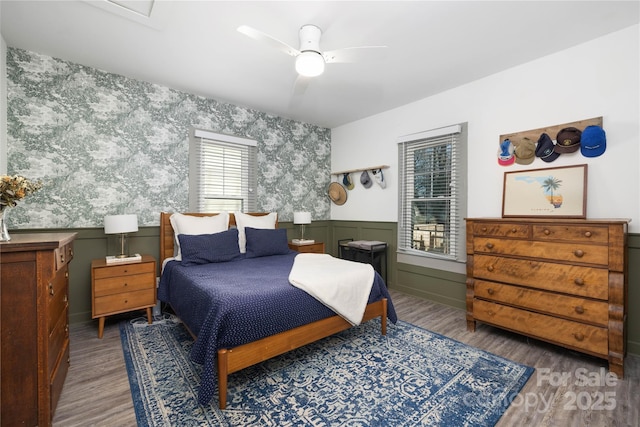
<point x="121" y="224"/>
<point x="302" y="218"/>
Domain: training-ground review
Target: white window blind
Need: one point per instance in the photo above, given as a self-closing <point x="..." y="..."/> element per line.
<point x="222" y="173"/>
<point x="432" y="193"/>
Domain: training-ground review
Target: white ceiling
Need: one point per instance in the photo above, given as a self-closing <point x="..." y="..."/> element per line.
<point x="193" y="46"/>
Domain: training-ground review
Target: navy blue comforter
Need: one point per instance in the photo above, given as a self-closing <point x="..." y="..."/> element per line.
<point x="232" y="303"/>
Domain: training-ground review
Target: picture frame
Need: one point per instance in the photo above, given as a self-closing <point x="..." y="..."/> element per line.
<point x="559" y="192"/>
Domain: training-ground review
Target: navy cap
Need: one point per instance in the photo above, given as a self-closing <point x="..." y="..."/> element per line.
<point x="544" y="150"/>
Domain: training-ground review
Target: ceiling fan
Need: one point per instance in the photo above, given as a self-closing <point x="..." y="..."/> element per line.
<point x="310" y="60"/>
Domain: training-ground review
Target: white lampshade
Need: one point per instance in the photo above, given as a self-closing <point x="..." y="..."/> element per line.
<point x="302" y="217"/>
<point x="310" y="64"/>
<point x="114" y="224"/>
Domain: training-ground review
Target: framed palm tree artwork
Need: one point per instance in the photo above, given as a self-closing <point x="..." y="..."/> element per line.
<point x="553" y="192"/>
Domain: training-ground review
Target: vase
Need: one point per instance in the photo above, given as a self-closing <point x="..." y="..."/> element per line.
<point x="4" y="232"/>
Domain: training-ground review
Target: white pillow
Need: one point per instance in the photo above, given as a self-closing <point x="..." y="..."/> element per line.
<point x="244" y="220"/>
<point x="189" y="224"/>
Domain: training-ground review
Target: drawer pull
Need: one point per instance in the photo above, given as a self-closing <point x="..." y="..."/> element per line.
<point x="578" y="281"/>
<point x="579" y="309"/>
<point x="547" y="231"/>
<point x="65" y="298"/>
<point x="490" y="268"/>
<point x="587" y="234"/>
<point x="578" y="336"/>
<point x="489" y="245"/>
<point x="484" y="229"/>
<point x="514" y="230"/>
<point x="578" y="253"/>
<point x="50" y="288"/>
<point x="490" y="291"/>
<point x="66" y="274"/>
<point x="126" y="284"/>
<point x="66" y="329"/>
<point x="126" y="301"/>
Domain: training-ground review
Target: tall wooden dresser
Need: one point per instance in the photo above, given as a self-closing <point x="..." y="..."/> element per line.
<point x="559" y="280"/>
<point x="34" y="280"/>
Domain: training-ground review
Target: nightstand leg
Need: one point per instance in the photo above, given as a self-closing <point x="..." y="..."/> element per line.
<point x="100" y="327"/>
<point x="149" y="316"/>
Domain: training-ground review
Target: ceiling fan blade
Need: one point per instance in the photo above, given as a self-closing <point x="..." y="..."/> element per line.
<point x="299" y="88"/>
<point x="267" y="39"/>
<point x="354" y="54"/>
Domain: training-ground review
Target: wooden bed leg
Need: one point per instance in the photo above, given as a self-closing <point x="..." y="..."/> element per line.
<point x="383" y="318"/>
<point x="222" y="378"/>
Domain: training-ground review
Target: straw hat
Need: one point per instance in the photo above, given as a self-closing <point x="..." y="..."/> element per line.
<point x="337" y="193"/>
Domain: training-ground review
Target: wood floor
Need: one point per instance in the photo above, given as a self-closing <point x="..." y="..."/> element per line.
<point x="96" y="391"/>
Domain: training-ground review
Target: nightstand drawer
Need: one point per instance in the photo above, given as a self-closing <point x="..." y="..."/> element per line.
<point x="316" y="248"/>
<point x="125" y="301"/>
<point x="116" y="284"/>
<point x="124" y="270"/>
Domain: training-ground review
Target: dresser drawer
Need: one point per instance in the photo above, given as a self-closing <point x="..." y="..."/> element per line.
<point x="63" y="255"/>
<point x="57" y="379"/>
<point x="588" y="338"/>
<point x="497" y="229"/>
<point x="573" y="308"/>
<point x="124" y="301"/>
<point x="568" y="279"/>
<point x="58" y="338"/>
<point x="570" y="252"/>
<point x="116" y="284"/>
<point x="58" y="298"/>
<point x="573" y="233"/>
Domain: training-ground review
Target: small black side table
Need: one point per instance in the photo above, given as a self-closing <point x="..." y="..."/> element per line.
<point x="366" y="251"/>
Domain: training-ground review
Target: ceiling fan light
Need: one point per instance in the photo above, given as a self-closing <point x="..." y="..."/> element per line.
<point x="310" y="64"/>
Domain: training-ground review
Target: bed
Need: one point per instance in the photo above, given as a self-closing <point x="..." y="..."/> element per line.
<point x="247" y="317"/>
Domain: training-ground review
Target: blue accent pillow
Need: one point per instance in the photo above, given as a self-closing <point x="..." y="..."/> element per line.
<point x="207" y="248"/>
<point x="265" y="242"/>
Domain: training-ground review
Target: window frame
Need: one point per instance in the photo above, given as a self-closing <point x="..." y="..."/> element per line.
<point x="457" y="208"/>
<point x="248" y="180"/>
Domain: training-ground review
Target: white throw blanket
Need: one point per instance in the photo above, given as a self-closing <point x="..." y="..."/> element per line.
<point x="343" y="286"/>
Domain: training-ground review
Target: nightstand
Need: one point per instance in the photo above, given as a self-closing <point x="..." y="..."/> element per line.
<point x="118" y="288"/>
<point x="314" y="248"/>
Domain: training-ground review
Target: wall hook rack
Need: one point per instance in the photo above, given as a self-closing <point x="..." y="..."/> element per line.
<point x="360" y="169"/>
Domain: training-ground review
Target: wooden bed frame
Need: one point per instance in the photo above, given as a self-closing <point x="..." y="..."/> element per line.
<point x="231" y="360"/>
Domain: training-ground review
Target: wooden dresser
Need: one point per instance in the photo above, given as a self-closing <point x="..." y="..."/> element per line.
<point x="559" y="280"/>
<point x="34" y="280"/>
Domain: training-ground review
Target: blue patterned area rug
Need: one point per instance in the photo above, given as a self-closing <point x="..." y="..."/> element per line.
<point x="409" y="377"/>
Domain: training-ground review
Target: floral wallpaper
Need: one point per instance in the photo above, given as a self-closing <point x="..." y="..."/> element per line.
<point x="106" y="144"/>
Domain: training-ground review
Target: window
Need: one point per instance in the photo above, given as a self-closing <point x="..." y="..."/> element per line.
<point x="222" y="173"/>
<point x="432" y="193"/>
